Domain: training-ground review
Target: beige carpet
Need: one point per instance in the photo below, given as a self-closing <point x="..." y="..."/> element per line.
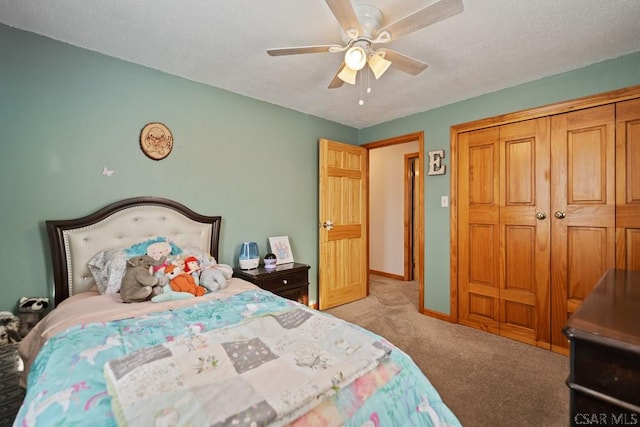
<point x="485" y="379"/>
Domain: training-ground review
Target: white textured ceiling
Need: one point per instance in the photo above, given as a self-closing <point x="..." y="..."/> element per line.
<point x="493" y="44"/>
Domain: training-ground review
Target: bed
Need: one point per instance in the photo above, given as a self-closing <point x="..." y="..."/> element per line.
<point x="237" y="356"/>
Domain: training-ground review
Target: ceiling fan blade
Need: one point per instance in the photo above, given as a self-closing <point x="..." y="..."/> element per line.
<point x="346" y="16"/>
<point x="429" y="15"/>
<point x="305" y="49"/>
<point x="336" y="81"/>
<point x="404" y="62"/>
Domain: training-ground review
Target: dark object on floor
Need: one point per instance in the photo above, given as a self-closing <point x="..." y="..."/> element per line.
<point x="11" y="394"/>
<point x="9" y="328"/>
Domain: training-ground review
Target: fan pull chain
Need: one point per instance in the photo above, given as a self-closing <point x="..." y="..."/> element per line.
<point x="361" y="102"/>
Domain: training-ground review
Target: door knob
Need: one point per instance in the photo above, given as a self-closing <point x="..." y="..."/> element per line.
<point x="541" y="215"/>
<point x="328" y="224"/>
<point x="560" y="214"/>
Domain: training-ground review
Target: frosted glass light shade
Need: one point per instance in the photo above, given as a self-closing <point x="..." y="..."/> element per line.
<point x="355" y="58"/>
<point x="348" y="75"/>
<point x="378" y="64"/>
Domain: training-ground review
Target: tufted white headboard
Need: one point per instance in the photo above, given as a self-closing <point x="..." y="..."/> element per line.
<point x="75" y="241"/>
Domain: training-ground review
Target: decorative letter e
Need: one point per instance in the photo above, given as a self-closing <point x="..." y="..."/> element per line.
<point x="435" y="163"/>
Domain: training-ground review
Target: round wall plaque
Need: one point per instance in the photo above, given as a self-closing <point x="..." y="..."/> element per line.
<point x="156" y="141"/>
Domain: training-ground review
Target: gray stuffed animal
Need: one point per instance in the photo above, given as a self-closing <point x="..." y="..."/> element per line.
<point x="30" y="311"/>
<point x="214" y="279"/>
<point x="138" y="284"/>
<point x="9" y="327"/>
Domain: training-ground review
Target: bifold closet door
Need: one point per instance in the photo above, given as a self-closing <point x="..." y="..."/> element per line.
<point x="479" y="229"/>
<point x="628" y="185"/>
<point x="582" y="209"/>
<point x="545" y="207"/>
<point x="525" y="245"/>
<point x="504" y="243"/>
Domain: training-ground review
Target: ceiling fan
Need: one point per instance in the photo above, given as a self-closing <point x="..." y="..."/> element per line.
<point x="363" y="33"/>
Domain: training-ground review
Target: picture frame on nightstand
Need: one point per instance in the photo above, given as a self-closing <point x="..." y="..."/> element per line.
<point x="281" y="247"/>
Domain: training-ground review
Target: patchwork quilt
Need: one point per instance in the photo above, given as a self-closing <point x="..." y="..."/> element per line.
<point x="276" y="367"/>
<point x="251" y="358"/>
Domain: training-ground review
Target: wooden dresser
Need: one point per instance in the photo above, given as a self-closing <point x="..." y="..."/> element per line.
<point x="604" y="333"/>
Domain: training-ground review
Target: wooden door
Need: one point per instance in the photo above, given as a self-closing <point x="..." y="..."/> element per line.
<point x="411" y="220"/>
<point x="583" y="209"/>
<point x="525" y="246"/>
<point x="343" y="264"/>
<point x="628" y="185"/>
<point x="479" y="229"/>
<point x="504" y="246"/>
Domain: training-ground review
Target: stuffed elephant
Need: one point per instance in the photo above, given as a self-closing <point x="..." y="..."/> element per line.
<point x="138" y="284"/>
<point x="214" y="279"/>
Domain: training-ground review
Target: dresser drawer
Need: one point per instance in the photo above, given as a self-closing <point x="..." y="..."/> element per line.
<point x="284" y="281"/>
<point x="609" y="370"/>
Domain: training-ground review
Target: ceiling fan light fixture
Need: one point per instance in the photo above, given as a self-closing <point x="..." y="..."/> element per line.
<point x="348" y="75"/>
<point x="355" y="58"/>
<point x="378" y="64"/>
<point x="361" y="31"/>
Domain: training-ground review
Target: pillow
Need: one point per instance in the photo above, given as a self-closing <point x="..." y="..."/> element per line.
<point x="141" y="248"/>
<point x="107" y="268"/>
<point x="204" y="258"/>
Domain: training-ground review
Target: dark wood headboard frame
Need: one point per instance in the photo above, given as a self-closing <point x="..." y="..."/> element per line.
<point x="56" y="228"/>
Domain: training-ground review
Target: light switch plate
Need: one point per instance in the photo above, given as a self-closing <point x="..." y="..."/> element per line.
<point x="444" y="201"/>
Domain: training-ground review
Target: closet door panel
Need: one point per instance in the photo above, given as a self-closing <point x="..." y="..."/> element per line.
<point x="583" y="209"/>
<point x="524" y="237"/>
<point x="479" y="230"/>
<point x="628" y="185"/>
<point x="585" y="243"/>
<point x="631" y="250"/>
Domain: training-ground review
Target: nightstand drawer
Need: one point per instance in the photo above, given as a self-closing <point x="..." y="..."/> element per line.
<point x="284" y="281"/>
<point x="295" y="294"/>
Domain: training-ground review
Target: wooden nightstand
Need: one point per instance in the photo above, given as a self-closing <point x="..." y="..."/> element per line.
<point x="286" y="280"/>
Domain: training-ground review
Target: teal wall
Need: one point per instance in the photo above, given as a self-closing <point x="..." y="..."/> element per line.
<point x="436" y="123"/>
<point x="66" y="112"/>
